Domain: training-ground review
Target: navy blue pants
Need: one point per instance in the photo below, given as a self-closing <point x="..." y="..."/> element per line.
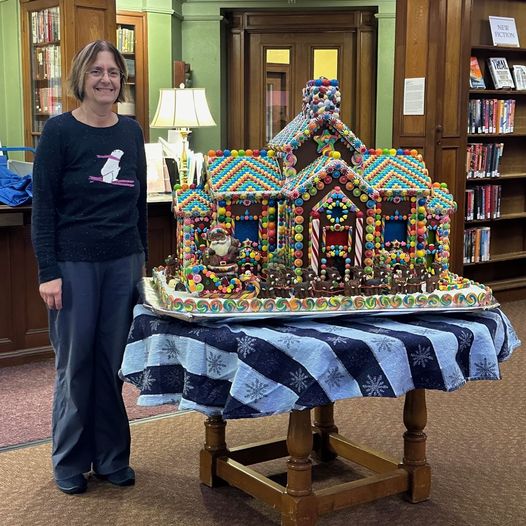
<point x="90" y="424"/>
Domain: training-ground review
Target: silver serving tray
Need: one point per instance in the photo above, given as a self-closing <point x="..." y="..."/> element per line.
<point x="152" y="302"/>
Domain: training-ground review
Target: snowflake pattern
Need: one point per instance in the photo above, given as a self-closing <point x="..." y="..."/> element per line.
<point x="171" y="349"/>
<point x="255" y="391"/>
<point x="464" y="340"/>
<point x="455" y="380"/>
<point x="382" y="345"/>
<point x="486" y="371"/>
<point x="298" y="380"/>
<point x="214" y="363"/>
<point x="375" y="386"/>
<point x="422" y="356"/>
<point x="172" y="379"/>
<point x="154" y="325"/>
<point x="246" y="345"/>
<point x="334" y="377"/>
<point x="196" y="331"/>
<point x="335" y="340"/>
<point x="288" y="341"/>
<point x="187" y="386"/>
<point x="147" y="381"/>
<point x="378" y="330"/>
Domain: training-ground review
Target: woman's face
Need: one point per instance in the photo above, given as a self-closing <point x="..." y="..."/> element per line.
<point x="103" y="80"/>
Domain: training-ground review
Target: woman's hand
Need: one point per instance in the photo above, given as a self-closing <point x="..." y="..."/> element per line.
<point x="51" y="293"/>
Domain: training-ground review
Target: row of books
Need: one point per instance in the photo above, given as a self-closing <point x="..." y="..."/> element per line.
<point x="45" y="25"/>
<point x="476" y="244"/>
<point x="48" y="101"/>
<point x="483" y="160"/>
<point x="125" y="40"/>
<point x="491" y="116"/>
<point x="47" y="62"/>
<point x="501" y="75"/>
<point x="483" y="202"/>
<point x="38" y="124"/>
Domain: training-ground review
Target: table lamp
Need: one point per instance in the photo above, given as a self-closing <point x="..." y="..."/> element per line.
<point x="181" y="109"/>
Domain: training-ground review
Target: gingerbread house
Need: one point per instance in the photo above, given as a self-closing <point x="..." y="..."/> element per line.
<point x="317" y="199"/>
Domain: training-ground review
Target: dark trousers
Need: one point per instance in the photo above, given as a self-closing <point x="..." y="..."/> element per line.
<point x="90" y="424"/>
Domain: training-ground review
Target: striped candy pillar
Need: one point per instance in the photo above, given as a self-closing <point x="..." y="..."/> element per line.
<point x="358" y="245"/>
<point x="315" y="245"/>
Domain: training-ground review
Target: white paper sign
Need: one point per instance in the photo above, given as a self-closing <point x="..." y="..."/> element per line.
<point x="414" y="96"/>
<point x="503" y="31"/>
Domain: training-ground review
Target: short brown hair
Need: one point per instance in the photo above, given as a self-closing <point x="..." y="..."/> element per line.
<point x="85" y="58"/>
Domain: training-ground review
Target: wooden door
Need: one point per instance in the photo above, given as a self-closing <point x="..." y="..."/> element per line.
<point x="432" y="42"/>
<point x="266" y="93"/>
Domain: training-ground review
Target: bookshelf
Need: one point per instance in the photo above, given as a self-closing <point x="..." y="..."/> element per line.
<point x="500" y="123"/>
<point x="48" y="46"/>
<point x="131" y="39"/>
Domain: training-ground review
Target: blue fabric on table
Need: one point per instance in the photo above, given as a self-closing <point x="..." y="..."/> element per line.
<point x="14" y="189"/>
<point x="264" y="367"/>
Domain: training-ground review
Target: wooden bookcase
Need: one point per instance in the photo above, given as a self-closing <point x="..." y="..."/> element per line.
<point x="505" y="271"/>
<point x="52" y="32"/>
<point x="132" y="43"/>
<point x="435" y="40"/>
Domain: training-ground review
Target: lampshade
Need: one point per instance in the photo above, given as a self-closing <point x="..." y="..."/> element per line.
<point x="182" y="108"/>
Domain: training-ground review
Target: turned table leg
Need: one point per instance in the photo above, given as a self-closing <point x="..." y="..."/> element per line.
<point x="299" y="504"/>
<point x="214" y="447"/>
<point x="324" y="426"/>
<point x="415" y="420"/>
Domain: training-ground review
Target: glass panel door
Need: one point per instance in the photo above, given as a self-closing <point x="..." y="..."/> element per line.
<point x="277" y="91"/>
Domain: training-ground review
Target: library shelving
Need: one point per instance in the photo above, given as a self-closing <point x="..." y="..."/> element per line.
<point x="495" y="172"/>
<point x="48" y="46"/>
<point x="131" y="39"/>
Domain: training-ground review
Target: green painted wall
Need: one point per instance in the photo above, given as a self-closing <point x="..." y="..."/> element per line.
<point x="190" y="30"/>
<point x="164" y="46"/>
<point x="11" y="107"/>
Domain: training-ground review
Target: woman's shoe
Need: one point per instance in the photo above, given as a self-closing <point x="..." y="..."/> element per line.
<point x="123" y="477"/>
<point x="72" y="485"/>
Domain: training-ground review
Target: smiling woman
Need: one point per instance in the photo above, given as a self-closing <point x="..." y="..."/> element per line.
<point x="89" y="235"/>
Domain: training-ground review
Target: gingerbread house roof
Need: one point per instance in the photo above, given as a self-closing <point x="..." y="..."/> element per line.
<point x="249" y="177"/>
<point x="388" y="173"/>
<point x="192" y="202"/>
<point x="321" y="168"/>
<point x="320" y="110"/>
<point x="300" y="130"/>
<point x="440" y="201"/>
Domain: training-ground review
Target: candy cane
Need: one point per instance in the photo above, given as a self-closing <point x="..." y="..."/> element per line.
<point x="315" y="245"/>
<point x="359" y="242"/>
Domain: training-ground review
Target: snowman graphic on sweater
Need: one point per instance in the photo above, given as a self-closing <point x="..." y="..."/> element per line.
<point x="111" y="169"/>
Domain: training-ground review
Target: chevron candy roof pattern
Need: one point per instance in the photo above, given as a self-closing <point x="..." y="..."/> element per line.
<point x="285" y="136"/>
<point x="323" y="166"/>
<point x="302" y="178"/>
<point x="245" y="175"/>
<point x="301" y="129"/>
<point x="440" y="201"/>
<point x="193" y="202"/>
<point x="396" y="172"/>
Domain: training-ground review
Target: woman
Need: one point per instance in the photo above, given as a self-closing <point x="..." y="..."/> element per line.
<point x="89" y="235"/>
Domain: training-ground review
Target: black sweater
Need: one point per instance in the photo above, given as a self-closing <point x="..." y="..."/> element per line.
<point x="89" y="193"/>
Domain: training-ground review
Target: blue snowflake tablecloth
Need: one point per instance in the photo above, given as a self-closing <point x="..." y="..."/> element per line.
<point x="265" y="367"/>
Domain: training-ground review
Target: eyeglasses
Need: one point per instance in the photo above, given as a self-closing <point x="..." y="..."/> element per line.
<point x="98" y="73"/>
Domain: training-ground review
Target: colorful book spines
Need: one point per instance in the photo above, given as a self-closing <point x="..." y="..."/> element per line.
<point x="477" y="244"/>
<point x="491" y="116"/>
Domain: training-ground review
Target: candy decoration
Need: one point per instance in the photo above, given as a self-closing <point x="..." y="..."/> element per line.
<point x="315" y="245"/>
<point x="358" y="246"/>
